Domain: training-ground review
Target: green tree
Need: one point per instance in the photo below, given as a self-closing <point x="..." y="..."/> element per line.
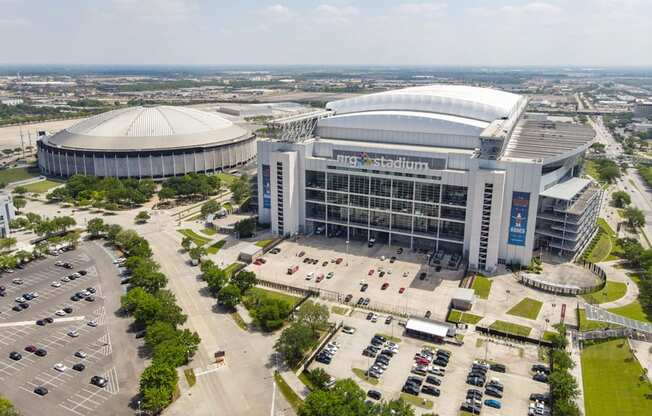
<point x="19" y="203"/>
<point x="270" y="314"/>
<point x="158" y="332"/>
<point x="148" y="279"/>
<point x="210" y="207"/>
<point x="313" y="314"/>
<point x="166" y="193"/>
<point x="7" y="408"/>
<point x="7" y="243"/>
<point x="155" y="399"/>
<point x="159" y="375"/>
<point x="621" y="199"/>
<point x="142" y="217"/>
<point x="168" y="310"/>
<point x="96" y="227"/>
<point x="63" y="223"/>
<point x="240" y="189"/>
<point x="345" y="398"/>
<point x="229" y="296"/>
<point x="245" y="228"/>
<point x="215" y="278"/>
<point x="196" y="253"/>
<point x="186" y="243"/>
<point x="561" y="359"/>
<point x="171" y="353"/>
<point x="245" y="280"/>
<point x="319" y="377"/>
<point x="294" y="341"/>
<point x="634" y="217"/>
<point x="563" y="385"/>
<point x="112" y="232"/>
<point x="20" y="190"/>
<point x="18" y="223"/>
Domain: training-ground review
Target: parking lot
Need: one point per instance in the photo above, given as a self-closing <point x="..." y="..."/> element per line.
<point x="517" y="380"/>
<point x="69" y="391"/>
<point x="420" y="282"/>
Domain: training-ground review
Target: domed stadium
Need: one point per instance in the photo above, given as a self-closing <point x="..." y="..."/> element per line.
<point x="146" y="142"/>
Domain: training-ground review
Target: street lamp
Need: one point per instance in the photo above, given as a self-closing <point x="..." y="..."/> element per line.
<point x="347" y="252"/>
<point x="139" y="411"/>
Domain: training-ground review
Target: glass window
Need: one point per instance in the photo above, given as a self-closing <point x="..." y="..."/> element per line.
<point x="401" y="222"/>
<point x="454" y="195"/>
<point x="315" y="211"/>
<point x="380" y="203"/>
<point x="338" y="214"/>
<point x="338" y="182"/>
<point x="381" y="187"/>
<point x="427" y="192"/>
<point x="403" y="189"/>
<point x="359" y="216"/>
<point x="426" y="225"/>
<point x="402" y="206"/>
<point x="380" y="219"/>
<point x="359" y="184"/>
<point x="426" y="209"/>
<point x="315" y="179"/>
<point x="453" y="213"/>
<point x="315" y="195"/>
<point x="451" y="230"/>
<point x="338" y="198"/>
<point x="359" y="201"/>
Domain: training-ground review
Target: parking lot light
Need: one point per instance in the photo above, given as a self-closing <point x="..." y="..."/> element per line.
<point x="347" y="252"/>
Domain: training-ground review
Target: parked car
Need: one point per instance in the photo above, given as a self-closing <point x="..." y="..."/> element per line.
<point x="499" y="368"/>
<point x="493" y="403"/>
<point x="384" y="286"/>
<point x="41" y="352"/>
<point x="99" y="381"/>
<point x="15" y="355"/>
<point x="78" y="367"/>
<point x="433" y="391"/>
<point x="348" y="330"/>
<point x="374" y="394"/>
<point x="41" y="391"/>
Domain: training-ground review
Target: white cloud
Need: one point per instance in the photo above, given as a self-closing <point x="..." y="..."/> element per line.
<point x="523" y="10"/>
<point x="278" y="11"/>
<point x="327" y="13"/>
<point x="421" y="9"/>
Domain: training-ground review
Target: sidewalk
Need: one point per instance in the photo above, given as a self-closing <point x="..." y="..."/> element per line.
<point x="295" y="384"/>
<point x="576" y="371"/>
<point x="615" y="274"/>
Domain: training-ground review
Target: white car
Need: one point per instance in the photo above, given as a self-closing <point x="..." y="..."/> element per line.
<point x="60" y="367"/>
<point x="17" y="281"/>
<point x="348" y="330"/>
<point x="80" y="354"/>
<point x="55" y="284"/>
<point x="20" y="299"/>
<point x="309" y="275"/>
<point x="34" y="294"/>
<point x="65" y="279"/>
<point x="60" y="312"/>
<point x="92" y="323"/>
<point x="73" y="333"/>
<point x="58" y="263"/>
<point x="405" y="274"/>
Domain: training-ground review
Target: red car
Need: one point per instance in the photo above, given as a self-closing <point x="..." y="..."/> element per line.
<point x="339" y="260"/>
<point x="384" y="286"/>
<point x="401" y="290"/>
<point x="422" y="361"/>
<point x="257" y="262"/>
<point x="30" y="348"/>
<point x="371" y="271"/>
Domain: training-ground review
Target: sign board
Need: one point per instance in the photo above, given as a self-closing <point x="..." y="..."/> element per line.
<point x="518" y="218"/>
<point x="379" y="160"/>
<point x="267" y="188"/>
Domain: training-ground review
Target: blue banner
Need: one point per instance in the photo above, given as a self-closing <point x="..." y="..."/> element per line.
<point x="267" y="188"/>
<point x="518" y="218"/>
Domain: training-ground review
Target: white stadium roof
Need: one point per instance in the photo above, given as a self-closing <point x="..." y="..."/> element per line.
<point x="142" y="128"/>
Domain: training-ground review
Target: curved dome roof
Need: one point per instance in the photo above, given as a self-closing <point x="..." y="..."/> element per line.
<point x="148" y="128"/>
<point x="484" y="104"/>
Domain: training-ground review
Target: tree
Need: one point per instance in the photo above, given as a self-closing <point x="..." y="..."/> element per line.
<point x="634" y="217"/>
<point x="561" y="359"/>
<point x="171" y="353"/>
<point x="112" y="232"/>
<point x="168" y="310"/>
<point x="245" y="228"/>
<point x="215" y="278"/>
<point x="621" y="199"/>
<point x="63" y="223"/>
<point x="96" y="227"/>
<point x="210" y="207"/>
<point x="7" y="243"/>
<point x="166" y="193"/>
<point x="240" y="189"/>
<point x="563" y="385"/>
<point x="229" y="296"/>
<point x="142" y="217"/>
<point x="155" y="399"/>
<point x="18" y="223"/>
<point x="244" y="280"/>
<point x="319" y="378"/>
<point x="159" y="375"/>
<point x="270" y="313"/>
<point x="19" y="203"/>
<point x="196" y="253"/>
<point x="345" y="398"/>
<point x="20" y="190"/>
<point x="158" y="332"/>
<point x="293" y="342"/>
<point x="7" y="408"/>
<point x="21" y="256"/>
<point x="149" y="280"/>
<point x="71" y="239"/>
<point x="314" y="315"/>
<point x="186" y="243"/>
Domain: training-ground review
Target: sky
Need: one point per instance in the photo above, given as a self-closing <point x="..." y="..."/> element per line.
<point x="327" y="32"/>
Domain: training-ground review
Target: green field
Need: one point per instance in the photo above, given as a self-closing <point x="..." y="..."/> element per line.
<point x="275" y="295"/>
<point x="591" y="170"/>
<point x="264" y="243"/>
<point x="612" y="381"/>
<point x="196" y="238"/>
<point x="586" y="325"/>
<point x="527" y="308"/>
<point x="340" y="310"/>
<point x="209" y="231"/>
<point x="17" y="174"/>
<point x="482" y="286"/>
<point x="548" y="335"/>
<point x="611" y="291"/>
<point x="632" y="311"/>
<point x="232" y="268"/>
<point x="464" y="317"/>
<point x="226" y="179"/>
<point x="42" y="186"/>
<point x="289" y="394"/>
<point x="511" y="328"/>
<point x="216" y="247"/>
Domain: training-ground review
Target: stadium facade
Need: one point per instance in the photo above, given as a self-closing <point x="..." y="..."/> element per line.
<point x="146" y="142"/>
<point x="460" y="171"/>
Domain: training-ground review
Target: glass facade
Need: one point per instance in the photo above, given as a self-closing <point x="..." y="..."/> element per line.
<point x="405" y="211"/>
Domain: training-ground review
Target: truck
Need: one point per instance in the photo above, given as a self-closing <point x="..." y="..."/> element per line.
<point x="293" y="269"/>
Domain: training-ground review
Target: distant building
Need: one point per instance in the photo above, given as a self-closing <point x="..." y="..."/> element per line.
<point x="643" y="110"/>
<point x="463" y="299"/>
<point x="246" y="110"/>
<point x="11" y="100"/>
<point x="7" y="213"/>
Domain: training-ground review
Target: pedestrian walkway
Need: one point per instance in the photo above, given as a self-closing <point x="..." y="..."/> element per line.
<point x="576" y="371"/>
<point x="616" y="274"/>
<point x="295" y="384"/>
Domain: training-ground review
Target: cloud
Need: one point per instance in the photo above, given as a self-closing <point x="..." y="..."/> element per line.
<point x="327" y="13"/>
<point x="421" y="9"/>
<point x="519" y="11"/>
<point x="278" y="11"/>
<point x="154" y="10"/>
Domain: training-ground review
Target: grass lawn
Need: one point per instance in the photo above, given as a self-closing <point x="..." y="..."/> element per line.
<point x="360" y="373"/>
<point x="226" y="178"/>
<point x="548" y="335"/>
<point x="586" y="325"/>
<point x="395" y="340"/>
<point x="527" y="308"/>
<point x="482" y="286"/>
<point x="17" y="174"/>
<point x="464" y="317"/>
<point x="276" y="295"/>
<point x="610" y="292"/>
<point x="233" y="267"/>
<point x="612" y="381"/>
<point x="417" y="401"/>
<point x="511" y="328"/>
<point x="305" y="380"/>
<point x="591" y="170"/>
<point x="264" y="243"/>
<point x="209" y="231"/>
<point x="196" y="238"/>
<point x="340" y="310"/>
<point x="216" y="247"/>
<point x="289" y="394"/>
<point x="42" y="186"/>
<point x="190" y="376"/>
<point x="600" y="251"/>
<point x="632" y="311"/>
<point x="238" y="320"/>
<point x="227" y="206"/>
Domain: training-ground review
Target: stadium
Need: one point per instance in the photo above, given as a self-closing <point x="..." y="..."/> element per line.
<point x="146" y="142"/>
<point x="461" y="172"/>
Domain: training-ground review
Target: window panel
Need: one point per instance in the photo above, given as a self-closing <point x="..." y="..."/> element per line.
<point x="402" y="189"/>
<point x="315" y="179"/>
<point x="338" y="182"/>
<point x="381" y="187"/>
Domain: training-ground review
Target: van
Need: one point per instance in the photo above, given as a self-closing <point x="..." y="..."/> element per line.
<point x="293" y="269"/>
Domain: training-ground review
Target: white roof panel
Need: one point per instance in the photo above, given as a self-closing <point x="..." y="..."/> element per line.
<point x="427" y="327"/>
<point x="566" y="190"/>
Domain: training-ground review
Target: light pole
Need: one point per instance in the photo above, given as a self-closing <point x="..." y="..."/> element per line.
<point x="347" y="252"/>
<point x="139" y="411"/>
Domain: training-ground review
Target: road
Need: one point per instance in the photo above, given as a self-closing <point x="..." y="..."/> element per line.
<point x="613" y="148"/>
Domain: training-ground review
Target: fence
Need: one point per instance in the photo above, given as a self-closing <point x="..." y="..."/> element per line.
<point x="295" y="290"/>
<point x="519" y="338"/>
<point x="332" y="330"/>
<point x="531" y="280"/>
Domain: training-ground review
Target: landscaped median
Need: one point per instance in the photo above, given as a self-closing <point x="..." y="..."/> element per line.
<point x="456" y="317"/>
<point x="612" y="291"/>
<point x="360" y="373"/>
<point x="527" y="308"/>
<point x="289" y="394"/>
<point x="417" y="401"/>
<point x="194" y="237"/>
<point x="511" y="328"/>
<point x="213" y="249"/>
